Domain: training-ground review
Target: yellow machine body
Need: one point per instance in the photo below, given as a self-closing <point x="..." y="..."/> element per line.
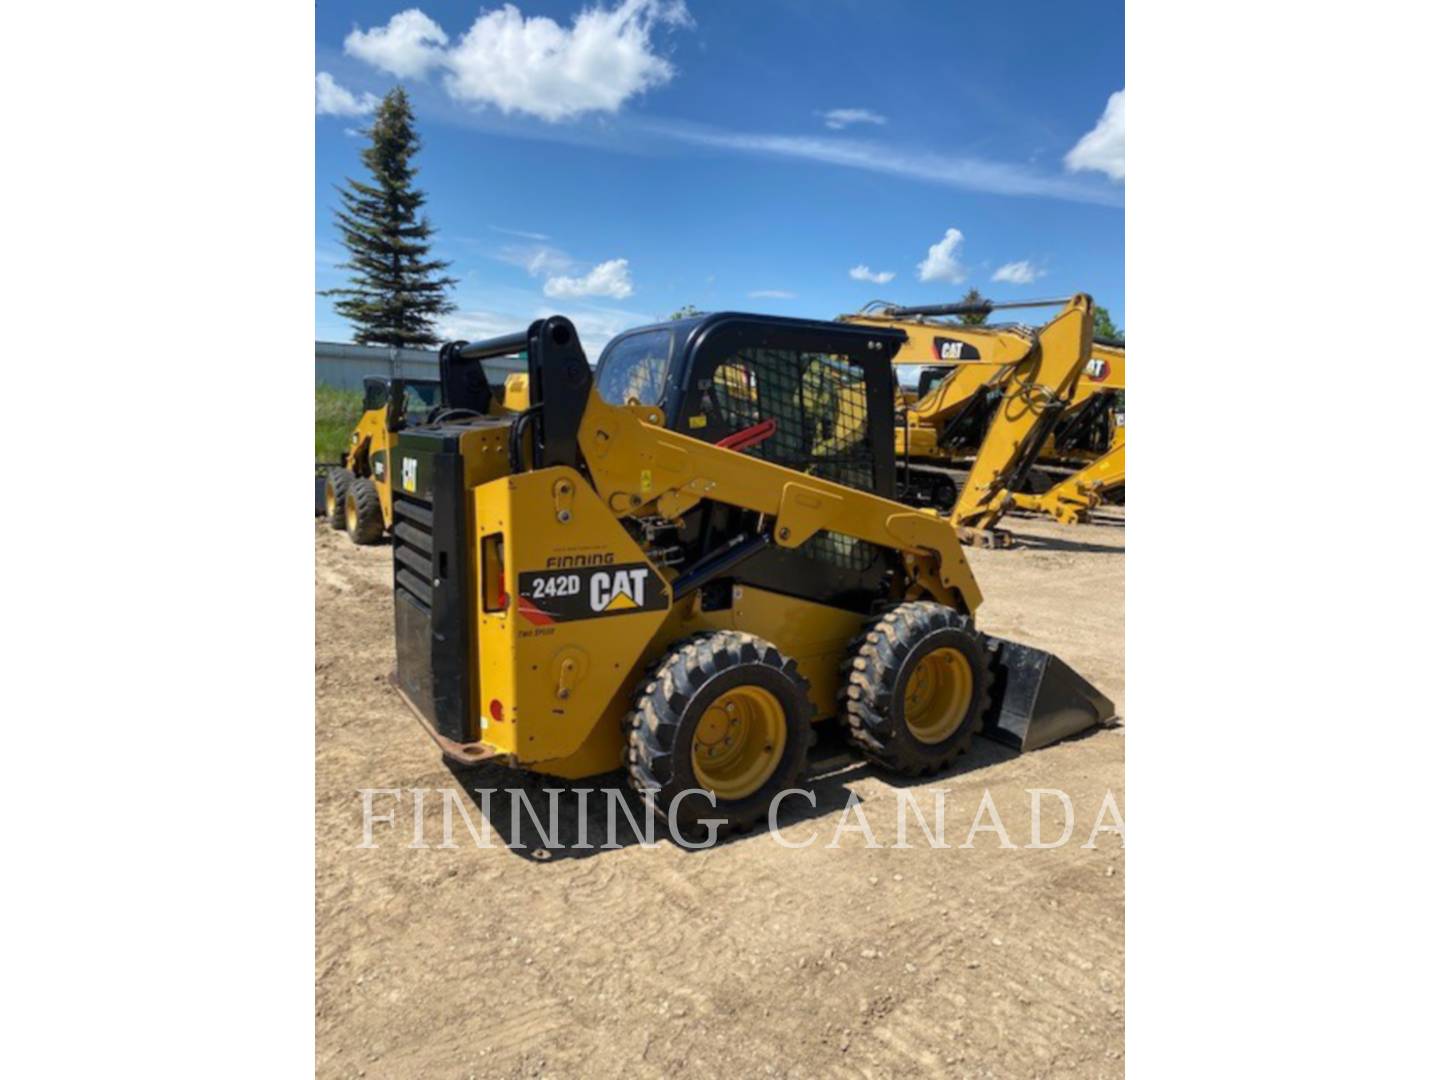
<point x="369" y="453"/>
<point x="537" y="603"/>
<point x="550" y="693"/>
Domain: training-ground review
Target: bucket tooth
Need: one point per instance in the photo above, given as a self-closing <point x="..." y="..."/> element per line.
<point x="1038" y="699"/>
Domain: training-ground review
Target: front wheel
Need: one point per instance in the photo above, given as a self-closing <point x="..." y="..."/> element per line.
<point x="724" y="712"/>
<point x="915" y="687"/>
<point x="364" y="519"/>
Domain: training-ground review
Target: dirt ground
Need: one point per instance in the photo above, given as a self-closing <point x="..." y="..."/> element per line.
<point x="749" y="959"/>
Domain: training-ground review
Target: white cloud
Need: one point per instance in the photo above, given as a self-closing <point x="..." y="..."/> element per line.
<point x="532" y="64"/>
<point x="941" y="263"/>
<point x="966" y="173"/>
<point x="771" y="294"/>
<point x="536" y="259"/>
<point x="408" y="45"/>
<point x="864" y="273"/>
<point x="838" y="119"/>
<point x="610" y="278"/>
<point x="520" y="233"/>
<point x="332" y="99"/>
<point x="1020" y="272"/>
<point x="1102" y="148"/>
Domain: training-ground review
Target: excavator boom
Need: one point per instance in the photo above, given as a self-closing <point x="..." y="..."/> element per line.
<point x="1029" y="378"/>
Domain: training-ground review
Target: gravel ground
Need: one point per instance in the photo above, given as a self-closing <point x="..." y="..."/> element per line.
<point x="749" y="959"/>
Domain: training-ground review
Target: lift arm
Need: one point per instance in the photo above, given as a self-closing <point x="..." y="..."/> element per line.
<point x="639" y="467"/>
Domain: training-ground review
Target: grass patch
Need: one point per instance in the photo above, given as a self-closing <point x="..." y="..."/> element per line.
<point x="336" y="414"/>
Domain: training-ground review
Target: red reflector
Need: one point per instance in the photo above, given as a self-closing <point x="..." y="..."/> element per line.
<point x="497" y="711"/>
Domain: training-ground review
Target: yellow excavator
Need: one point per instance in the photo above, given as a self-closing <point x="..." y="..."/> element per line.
<point x="1090" y="437"/>
<point x="980" y="429"/>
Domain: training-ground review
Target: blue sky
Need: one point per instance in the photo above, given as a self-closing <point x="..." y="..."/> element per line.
<point x="615" y="165"/>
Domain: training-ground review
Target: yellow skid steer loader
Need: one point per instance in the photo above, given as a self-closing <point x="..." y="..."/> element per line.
<point x="357" y="493"/>
<point x="677" y="564"/>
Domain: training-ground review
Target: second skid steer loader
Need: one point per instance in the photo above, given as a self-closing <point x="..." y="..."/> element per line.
<point x="678" y="564"/>
<point x="356" y="493"/>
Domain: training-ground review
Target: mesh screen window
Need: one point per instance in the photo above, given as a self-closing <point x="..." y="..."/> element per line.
<point x="818" y="403"/>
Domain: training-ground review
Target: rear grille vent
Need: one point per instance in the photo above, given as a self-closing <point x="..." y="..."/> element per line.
<point x="414" y="549"/>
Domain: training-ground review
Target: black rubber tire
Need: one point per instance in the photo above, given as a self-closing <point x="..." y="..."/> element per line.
<point x="338" y="481"/>
<point x="369" y="517"/>
<point x="881" y="658"/>
<point x="673" y="697"/>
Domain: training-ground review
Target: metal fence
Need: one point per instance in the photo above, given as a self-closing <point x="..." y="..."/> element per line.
<point x="346" y="366"/>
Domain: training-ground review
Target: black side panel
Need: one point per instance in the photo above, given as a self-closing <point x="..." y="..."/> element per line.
<point x="432" y="594"/>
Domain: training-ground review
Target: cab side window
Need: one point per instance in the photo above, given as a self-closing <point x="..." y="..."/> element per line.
<point x="377" y="395"/>
<point x="817" y="401"/>
<point x="633" y="369"/>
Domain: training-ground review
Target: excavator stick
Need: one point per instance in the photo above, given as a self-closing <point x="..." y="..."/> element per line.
<point x="1037" y="394"/>
<point x="1034" y="374"/>
<point x="1038" y="699"/>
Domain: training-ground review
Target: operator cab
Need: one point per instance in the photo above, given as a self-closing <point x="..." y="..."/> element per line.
<point x="405" y="401"/>
<point x="812" y="396"/>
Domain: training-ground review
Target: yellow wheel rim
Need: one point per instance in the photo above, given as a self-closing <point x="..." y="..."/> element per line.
<point x="329" y="501"/>
<point x="352" y="516"/>
<point x="937" y="695"/>
<point x="738" y="742"/>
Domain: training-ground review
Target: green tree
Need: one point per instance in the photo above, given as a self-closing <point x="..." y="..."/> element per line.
<point x="973" y="297"/>
<point x="685" y="312"/>
<point x="396" y="291"/>
<point x="1105" y="327"/>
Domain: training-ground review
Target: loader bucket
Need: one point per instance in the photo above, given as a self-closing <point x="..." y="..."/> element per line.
<point x="1038" y="699"/>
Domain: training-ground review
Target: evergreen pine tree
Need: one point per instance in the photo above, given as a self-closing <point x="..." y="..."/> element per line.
<point x="978" y="318"/>
<point x="395" y="292"/>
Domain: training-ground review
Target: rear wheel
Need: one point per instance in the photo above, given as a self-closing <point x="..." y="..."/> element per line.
<point x="364" y="520"/>
<point x="337" y="483"/>
<point x="915" y="687"/>
<point x="725" y="712"/>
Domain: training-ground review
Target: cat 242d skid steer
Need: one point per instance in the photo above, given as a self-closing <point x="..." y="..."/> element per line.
<point x="678" y="564"/>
